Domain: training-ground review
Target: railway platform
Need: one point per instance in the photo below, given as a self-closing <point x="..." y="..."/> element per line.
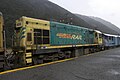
<point x="104" y="65"/>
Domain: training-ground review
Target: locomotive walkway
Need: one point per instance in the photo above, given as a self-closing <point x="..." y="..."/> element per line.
<point x="104" y="65"/>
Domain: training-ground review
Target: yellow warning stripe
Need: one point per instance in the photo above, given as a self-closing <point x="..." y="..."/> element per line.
<point x="64" y="46"/>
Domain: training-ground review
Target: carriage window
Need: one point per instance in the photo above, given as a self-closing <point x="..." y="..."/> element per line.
<point x="112" y="38"/>
<point x="109" y="38"/>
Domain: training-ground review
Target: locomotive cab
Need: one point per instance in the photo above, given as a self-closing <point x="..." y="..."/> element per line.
<point x="30" y="34"/>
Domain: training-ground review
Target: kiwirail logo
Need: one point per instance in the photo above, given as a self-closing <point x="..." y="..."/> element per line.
<point x="69" y="36"/>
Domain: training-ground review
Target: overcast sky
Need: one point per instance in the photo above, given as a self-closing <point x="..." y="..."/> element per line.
<point x="105" y="9"/>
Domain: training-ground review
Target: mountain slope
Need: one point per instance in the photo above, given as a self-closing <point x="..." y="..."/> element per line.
<point x="99" y="25"/>
<point x="110" y="25"/>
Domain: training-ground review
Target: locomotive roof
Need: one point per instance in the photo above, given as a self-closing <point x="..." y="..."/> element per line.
<point x="71" y="25"/>
<point x="110" y="35"/>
